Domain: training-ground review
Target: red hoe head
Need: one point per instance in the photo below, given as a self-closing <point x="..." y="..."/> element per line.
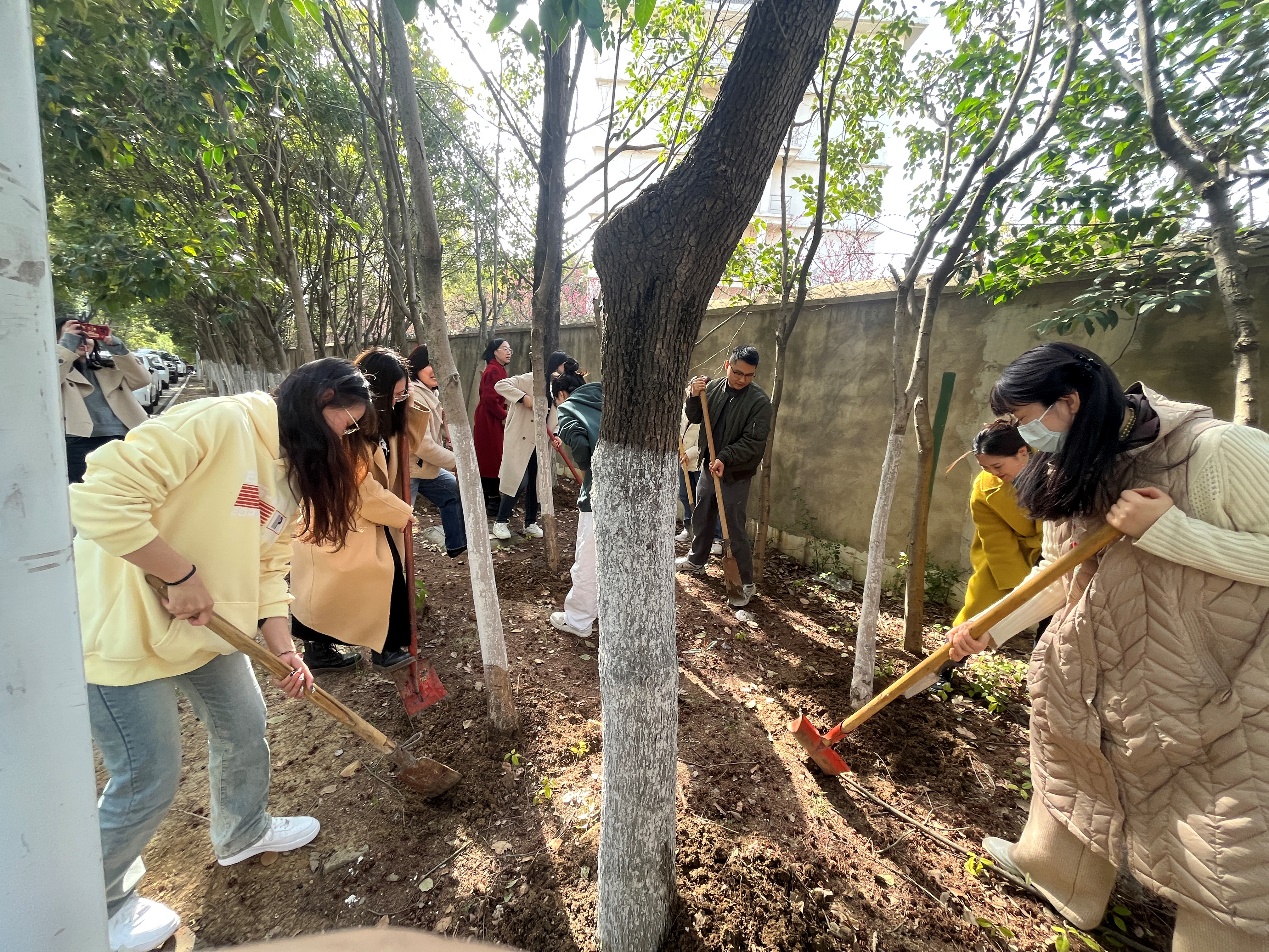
<point x="827" y="759"/>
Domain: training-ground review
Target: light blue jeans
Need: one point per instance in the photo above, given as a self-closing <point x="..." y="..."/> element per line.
<point x="138" y="732"/>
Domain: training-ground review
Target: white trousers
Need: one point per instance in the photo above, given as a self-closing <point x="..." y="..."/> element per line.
<point x="581" y="607"/>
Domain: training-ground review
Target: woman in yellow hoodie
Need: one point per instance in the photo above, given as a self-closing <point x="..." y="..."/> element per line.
<point x="204" y="497"/>
<point x="1006" y="540"/>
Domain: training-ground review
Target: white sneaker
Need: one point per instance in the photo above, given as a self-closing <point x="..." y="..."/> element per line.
<point x="743" y="600"/>
<point x="533" y="530"/>
<point x="435" y="535"/>
<point x="683" y="536"/>
<point x="501" y="531"/>
<point x="716" y="548"/>
<point x="141" y="925"/>
<point x="284" y="833"/>
<point x="684" y="563"/>
<point x="559" y="621"/>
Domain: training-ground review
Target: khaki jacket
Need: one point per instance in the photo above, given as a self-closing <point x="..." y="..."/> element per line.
<point x="117" y="384"/>
<point x="1150" y="704"/>
<point x="517" y="443"/>
<point x="429" y="454"/>
<point x="346" y="593"/>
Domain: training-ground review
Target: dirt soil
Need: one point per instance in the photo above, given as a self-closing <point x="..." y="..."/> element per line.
<point x="770" y="854"/>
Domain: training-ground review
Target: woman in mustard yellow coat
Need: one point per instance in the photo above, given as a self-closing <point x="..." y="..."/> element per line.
<point x="1006" y="540"/>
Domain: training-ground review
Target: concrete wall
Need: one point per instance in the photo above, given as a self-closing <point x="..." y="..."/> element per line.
<point x="836" y="410"/>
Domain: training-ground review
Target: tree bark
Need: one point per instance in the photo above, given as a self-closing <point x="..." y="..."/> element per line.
<point x="493" y="648"/>
<point x="658" y="259"/>
<point x="548" y="260"/>
<point x="914" y="589"/>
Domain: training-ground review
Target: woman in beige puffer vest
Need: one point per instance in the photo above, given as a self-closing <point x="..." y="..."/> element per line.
<point x="1150" y="689"/>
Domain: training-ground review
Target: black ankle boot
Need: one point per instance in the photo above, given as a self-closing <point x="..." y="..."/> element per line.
<point x="321" y="656"/>
<point x="391" y="660"/>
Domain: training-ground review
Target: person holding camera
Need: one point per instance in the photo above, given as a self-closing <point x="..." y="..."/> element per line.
<point x="97" y="401"/>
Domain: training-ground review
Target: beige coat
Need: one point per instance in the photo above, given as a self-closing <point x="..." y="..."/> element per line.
<point x="347" y="593"/>
<point x="1150" y="702"/>
<point x="429" y="455"/>
<point x="117" y="384"/>
<point x="518" y="445"/>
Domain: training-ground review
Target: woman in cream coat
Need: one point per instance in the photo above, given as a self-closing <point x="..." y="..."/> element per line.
<point x="519" y="472"/>
<point x="356" y="594"/>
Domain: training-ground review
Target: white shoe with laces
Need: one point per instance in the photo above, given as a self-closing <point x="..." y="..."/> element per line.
<point x="559" y="621"/>
<point x="284" y="833"/>
<point x="501" y="531"/>
<point x="533" y="531"/>
<point x="683" y="536"/>
<point x="141" y="925"/>
<point x="716" y="548"/>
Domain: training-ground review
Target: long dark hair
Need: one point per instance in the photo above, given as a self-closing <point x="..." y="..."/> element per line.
<point x="1079" y="480"/>
<point x="323" y="469"/>
<point x="554" y="362"/>
<point x="570" y="381"/>
<point x="419" y="361"/>
<point x="494" y="344"/>
<point x="384" y="369"/>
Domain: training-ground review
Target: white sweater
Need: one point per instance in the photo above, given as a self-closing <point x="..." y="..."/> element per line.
<point x="1228" y="535"/>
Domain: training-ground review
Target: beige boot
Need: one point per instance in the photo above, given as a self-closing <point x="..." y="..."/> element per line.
<point x="1196" y="932"/>
<point x="1073" y="879"/>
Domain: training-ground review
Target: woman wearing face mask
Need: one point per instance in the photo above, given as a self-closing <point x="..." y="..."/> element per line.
<point x="97" y="401"/>
<point x="490" y="419"/>
<point x="204" y="497"/>
<point x="355" y="593"/>
<point x="1150" y="705"/>
<point x="1006" y="540"/>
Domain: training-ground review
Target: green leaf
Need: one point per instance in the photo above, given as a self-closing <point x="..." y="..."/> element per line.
<point x="532" y="38"/>
<point x="258" y="10"/>
<point x="643" y="11"/>
<point x="409" y="9"/>
<point x="281" y="23"/>
<point x="591" y="13"/>
<point x="211" y="15"/>
<point x="501" y="20"/>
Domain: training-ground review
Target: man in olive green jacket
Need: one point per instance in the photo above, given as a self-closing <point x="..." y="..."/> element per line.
<point x="740" y="414"/>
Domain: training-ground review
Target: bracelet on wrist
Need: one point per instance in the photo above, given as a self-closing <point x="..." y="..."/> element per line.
<point x="283" y="654"/>
<point x="184" y="578"/>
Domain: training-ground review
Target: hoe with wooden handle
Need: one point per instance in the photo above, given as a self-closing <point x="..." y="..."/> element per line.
<point x="731" y="569"/>
<point x="423" y="775"/>
<point x="820" y="746"/>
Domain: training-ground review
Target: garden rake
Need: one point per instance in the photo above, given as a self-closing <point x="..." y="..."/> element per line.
<point x="731" y="570"/>
<point x="427" y="777"/>
<point x="820" y="746"/>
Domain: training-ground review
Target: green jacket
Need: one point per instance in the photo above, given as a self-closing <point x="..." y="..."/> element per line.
<point x="578" y="423"/>
<point x="740" y="433"/>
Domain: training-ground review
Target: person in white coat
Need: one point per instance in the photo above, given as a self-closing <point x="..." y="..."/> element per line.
<point x="518" y="475"/>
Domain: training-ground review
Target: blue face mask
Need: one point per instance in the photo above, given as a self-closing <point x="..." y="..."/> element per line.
<point x="1039" y="437"/>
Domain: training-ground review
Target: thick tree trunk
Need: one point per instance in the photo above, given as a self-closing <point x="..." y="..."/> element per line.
<point x="659" y="258"/>
<point x="548" y="258"/>
<point x="914" y="589"/>
<point x="493" y="648"/>
<point x="1238" y="302"/>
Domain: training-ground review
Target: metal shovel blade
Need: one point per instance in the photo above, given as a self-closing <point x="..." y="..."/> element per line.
<point x="827" y="759"/>
<point x="425" y="776"/>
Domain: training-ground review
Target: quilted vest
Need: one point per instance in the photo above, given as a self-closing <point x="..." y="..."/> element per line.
<point x="1150" y="707"/>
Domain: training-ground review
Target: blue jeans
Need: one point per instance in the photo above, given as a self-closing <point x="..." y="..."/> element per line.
<point x="442" y="492"/>
<point x="138" y="731"/>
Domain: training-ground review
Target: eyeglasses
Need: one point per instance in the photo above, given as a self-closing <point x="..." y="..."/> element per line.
<point x="353" y="425"/>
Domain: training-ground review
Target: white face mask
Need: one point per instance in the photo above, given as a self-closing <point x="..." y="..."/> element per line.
<point x="1039" y="437"/>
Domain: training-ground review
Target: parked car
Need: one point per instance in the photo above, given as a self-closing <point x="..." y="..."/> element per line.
<point x="148" y="396"/>
<point x="157" y="364"/>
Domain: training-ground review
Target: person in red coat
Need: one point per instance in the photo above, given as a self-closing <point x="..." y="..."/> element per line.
<point x="491" y="415"/>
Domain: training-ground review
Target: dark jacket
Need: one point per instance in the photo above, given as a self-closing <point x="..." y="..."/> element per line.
<point x="578" y="422"/>
<point x="741" y="422"/>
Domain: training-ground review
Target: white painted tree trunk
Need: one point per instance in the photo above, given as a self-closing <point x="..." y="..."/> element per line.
<point x="634" y="503"/>
<point x="870" y="610"/>
<point x="52" y="896"/>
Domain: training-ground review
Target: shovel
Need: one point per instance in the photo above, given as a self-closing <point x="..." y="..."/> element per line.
<point x="731" y="571"/>
<point x="555" y="441"/>
<point x="424" y="776"/>
<point x="416" y="693"/>
<point x="687" y="482"/>
<point x="820" y="746"/>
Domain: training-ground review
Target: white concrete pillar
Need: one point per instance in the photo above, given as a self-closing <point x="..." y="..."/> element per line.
<point x="52" y="897"/>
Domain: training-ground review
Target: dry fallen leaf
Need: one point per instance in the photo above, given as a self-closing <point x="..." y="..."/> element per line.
<point x="351" y="769"/>
<point x="442" y="924"/>
<point x="329" y="789"/>
<point x="185" y="939"/>
<point x="268" y="859"/>
<point x="554" y="844"/>
<point x="501" y="846"/>
<point x="467" y="724"/>
<point x="383" y="922"/>
<point x="426" y="885"/>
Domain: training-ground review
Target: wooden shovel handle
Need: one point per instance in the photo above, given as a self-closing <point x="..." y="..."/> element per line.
<point x="718" y="486"/>
<point x="687" y="482"/>
<point x="984" y="621"/>
<point x="280" y="669"/>
<point x="551" y="438"/>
